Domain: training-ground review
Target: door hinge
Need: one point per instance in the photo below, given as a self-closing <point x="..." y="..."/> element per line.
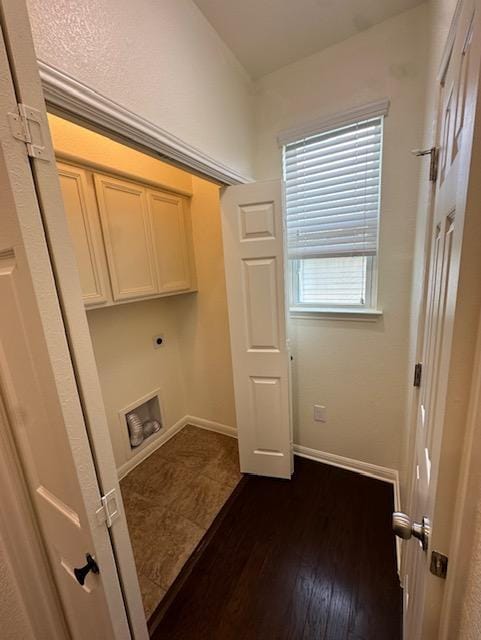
<point x="28" y="126"/>
<point x="108" y="512"/>
<point x="439" y="565"/>
<point x="418" y="374"/>
<point x="433" y="152"/>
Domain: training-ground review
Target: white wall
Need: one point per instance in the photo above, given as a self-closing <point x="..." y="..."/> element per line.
<point x="161" y="60"/>
<point x="358" y="370"/>
<point x="129" y="367"/>
<point x="203" y="321"/>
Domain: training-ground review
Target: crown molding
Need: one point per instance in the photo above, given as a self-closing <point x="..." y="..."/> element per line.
<point x="67" y="96"/>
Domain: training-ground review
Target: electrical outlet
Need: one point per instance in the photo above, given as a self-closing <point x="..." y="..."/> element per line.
<point x="320" y="413"/>
<point x="158" y="341"/>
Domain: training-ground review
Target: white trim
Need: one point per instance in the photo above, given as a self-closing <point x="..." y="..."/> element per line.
<point x="69" y="96"/>
<point x="210" y="425"/>
<point x="358" y="466"/>
<point x="363" y="112"/>
<point x="356" y="315"/>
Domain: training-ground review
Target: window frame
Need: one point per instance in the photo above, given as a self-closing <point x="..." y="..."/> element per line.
<point x="370" y="302"/>
<point x="370" y="309"/>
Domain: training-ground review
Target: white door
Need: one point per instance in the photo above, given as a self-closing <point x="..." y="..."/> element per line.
<point x="40" y="396"/>
<point x="252" y="223"/>
<point x="446" y="325"/>
<point x="27" y="87"/>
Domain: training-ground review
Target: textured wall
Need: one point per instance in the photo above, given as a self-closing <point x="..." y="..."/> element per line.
<point x="13" y="617"/>
<point x="357" y="369"/>
<point x="470" y="628"/>
<point x="161" y="60"/>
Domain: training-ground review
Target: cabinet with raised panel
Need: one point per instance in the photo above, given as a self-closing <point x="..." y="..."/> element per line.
<point x="131" y="241"/>
<point x="170" y="239"/>
<point x="84" y="226"/>
<point x="127" y="237"/>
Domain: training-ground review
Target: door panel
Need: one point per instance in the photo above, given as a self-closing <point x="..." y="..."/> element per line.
<point x="38" y="387"/>
<point x="254" y="263"/>
<point x="450" y="302"/>
<point x="169" y="236"/>
<point x="127" y="235"/>
<point x="260" y="286"/>
<point x="80" y="208"/>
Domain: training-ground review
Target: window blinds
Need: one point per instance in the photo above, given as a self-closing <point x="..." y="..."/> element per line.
<point x="332" y="184"/>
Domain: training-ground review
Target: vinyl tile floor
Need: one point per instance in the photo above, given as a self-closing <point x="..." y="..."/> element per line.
<point x="171" y="499"/>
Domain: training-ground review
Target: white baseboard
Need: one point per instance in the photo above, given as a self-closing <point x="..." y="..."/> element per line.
<point x="202" y="423"/>
<point x="210" y="425"/>
<point x="358" y="466"/>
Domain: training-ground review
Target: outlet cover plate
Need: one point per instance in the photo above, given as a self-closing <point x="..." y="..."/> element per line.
<point x="320" y="413"/>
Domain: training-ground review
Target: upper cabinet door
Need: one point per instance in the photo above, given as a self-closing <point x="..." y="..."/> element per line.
<point x="127" y="235"/>
<point x="170" y="241"/>
<point x="81" y="210"/>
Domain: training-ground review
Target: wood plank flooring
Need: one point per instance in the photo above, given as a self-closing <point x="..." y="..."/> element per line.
<point x="313" y="558"/>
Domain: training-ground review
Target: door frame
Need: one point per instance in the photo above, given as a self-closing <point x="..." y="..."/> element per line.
<point x="467" y="495"/>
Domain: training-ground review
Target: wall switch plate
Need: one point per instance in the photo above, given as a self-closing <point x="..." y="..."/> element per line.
<point x="158" y="341"/>
<point x="320" y="413"/>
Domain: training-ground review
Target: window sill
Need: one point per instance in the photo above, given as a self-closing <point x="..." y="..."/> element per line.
<point x="356" y="315"/>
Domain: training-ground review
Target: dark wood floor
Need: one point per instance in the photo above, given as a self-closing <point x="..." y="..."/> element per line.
<point x="313" y="558"/>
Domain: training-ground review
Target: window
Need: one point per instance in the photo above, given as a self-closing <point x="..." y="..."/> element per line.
<point x="332" y="182"/>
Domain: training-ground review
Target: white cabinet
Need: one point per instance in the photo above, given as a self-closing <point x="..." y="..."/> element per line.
<point x="84" y="225"/>
<point x="127" y="236"/>
<point x="131" y="241"/>
<point x="170" y="241"/>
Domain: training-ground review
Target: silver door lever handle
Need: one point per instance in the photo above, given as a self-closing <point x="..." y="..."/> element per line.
<point x="405" y="528"/>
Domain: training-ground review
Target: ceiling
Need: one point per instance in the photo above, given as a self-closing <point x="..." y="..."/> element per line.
<point x="268" y="34"/>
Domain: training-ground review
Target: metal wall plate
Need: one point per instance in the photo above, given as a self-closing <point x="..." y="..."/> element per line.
<point x="439" y="564"/>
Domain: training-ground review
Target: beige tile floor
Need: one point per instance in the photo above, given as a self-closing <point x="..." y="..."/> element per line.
<point x="171" y="500"/>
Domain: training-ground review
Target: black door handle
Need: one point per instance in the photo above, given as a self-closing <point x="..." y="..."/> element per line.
<point x="81" y="573"/>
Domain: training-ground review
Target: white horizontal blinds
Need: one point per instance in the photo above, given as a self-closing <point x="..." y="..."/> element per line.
<point x="330" y="282"/>
<point x="333" y="190"/>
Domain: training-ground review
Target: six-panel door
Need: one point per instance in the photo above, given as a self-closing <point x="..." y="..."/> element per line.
<point x="252" y="225"/>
